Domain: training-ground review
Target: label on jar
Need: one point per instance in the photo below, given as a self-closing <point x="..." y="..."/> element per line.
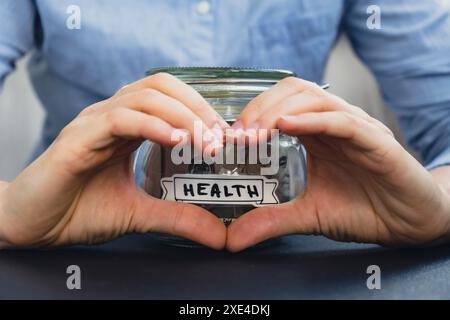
<point x="220" y="189"/>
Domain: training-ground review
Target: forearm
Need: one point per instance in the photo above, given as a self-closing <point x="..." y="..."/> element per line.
<point x="442" y="177"/>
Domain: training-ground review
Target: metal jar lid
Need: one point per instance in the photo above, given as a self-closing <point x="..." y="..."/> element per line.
<point x="226" y="81"/>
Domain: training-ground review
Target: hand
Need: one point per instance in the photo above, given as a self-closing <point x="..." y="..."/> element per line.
<point x="81" y="190"/>
<point x="363" y="186"/>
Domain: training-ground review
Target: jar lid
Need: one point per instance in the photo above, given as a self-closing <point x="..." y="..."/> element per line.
<point x="226" y="81"/>
<point x="197" y="75"/>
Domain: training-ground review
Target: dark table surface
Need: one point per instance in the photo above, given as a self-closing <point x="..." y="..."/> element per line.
<point x="296" y="267"/>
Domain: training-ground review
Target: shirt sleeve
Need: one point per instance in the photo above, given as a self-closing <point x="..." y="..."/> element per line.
<point x="17" y="20"/>
<point x="410" y="57"/>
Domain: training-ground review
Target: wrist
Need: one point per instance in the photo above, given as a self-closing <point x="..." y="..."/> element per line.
<point x="442" y="178"/>
<point x="446" y="211"/>
<point x="446" y="208"/>
<point x="3" y="187"/>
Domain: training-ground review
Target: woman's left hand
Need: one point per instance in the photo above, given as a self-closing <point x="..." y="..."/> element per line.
<point x="363" y="185"/>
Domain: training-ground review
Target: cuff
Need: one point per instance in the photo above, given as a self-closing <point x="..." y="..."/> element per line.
<point x="441" y="160"/>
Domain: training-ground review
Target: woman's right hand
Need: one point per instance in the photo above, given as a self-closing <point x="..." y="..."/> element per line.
<point x="82" y="190"/>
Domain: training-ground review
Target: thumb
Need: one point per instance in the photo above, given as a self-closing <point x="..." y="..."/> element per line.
<point x="269" y="222"/>
<point x="179" y="219"/>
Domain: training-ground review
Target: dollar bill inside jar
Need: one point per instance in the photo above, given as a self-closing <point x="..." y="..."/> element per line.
<point x="235" y="185"/>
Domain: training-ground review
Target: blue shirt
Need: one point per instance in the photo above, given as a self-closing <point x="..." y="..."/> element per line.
<point x="119" y="40"/>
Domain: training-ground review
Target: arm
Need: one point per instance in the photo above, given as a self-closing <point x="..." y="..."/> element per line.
<point x="410" y="57"/>
<point x="16" y="39"/>
<point x="363" y="185"/>
<point x="81" y="190"/>
<point x="16" y="33"/>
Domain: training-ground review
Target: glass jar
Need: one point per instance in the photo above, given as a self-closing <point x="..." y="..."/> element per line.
<point x="233" y="187"/>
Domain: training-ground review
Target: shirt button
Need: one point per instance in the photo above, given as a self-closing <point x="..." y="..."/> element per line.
<point x="203" y="7"/>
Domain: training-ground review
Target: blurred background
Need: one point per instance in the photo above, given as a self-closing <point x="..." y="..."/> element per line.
<point x="21" y="114"/>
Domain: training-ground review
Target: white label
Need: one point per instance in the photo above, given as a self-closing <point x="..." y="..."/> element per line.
<point x="220" y="189"/>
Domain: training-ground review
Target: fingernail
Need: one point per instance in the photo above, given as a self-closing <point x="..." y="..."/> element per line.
<point x="179" y="136"/>
<point x="208" y="136"/>
<point x="253" y="125"/>
<point x="238" y="125"/>
<point x="230" y="135"/>
<point x="216" y="149"/>
<point x="222" y="123"/>
<point x="211" y="136"/>
<point x="218" y="132"/>
<point x="250" y="132"/>
<point x="238" y="133"/>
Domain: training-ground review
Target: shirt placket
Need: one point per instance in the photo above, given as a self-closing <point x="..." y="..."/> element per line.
<point x="201" y="42"/>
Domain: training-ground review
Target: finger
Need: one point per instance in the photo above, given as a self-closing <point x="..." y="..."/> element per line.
<point x="307" y="102"/>
<point x="173" y="112"/>
<point x="132" y="124"/>
<point x="268" y="99"/>
<point x="335" y="124"/>
<point x="89" y="141"/>
<point x="178" y="90"/>
<point x="180" y="219"/>
<point x="270" y="222"/>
